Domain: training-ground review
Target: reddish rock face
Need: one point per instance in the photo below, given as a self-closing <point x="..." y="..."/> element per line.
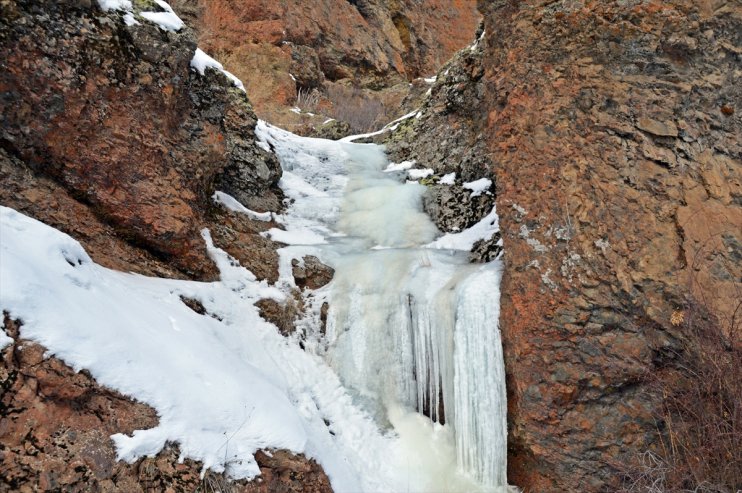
<point x="279" y="48"/>
<point x="616" y="138"/>
<point x="116" y="117"/>
<point x="352" y="39"/>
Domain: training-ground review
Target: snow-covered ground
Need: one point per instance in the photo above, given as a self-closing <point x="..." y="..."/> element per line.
<point x="222" y="389"/>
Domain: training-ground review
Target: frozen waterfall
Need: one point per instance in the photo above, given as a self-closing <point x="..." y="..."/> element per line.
<point x="410" y="326"/>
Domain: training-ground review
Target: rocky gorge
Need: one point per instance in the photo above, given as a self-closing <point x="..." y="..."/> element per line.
<point x="609" y="133"/>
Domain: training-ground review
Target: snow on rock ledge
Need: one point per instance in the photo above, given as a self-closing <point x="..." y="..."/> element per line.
<point x="201" y="61"/>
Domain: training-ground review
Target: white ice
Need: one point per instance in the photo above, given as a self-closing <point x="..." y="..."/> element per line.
<point x="399" y="301"/>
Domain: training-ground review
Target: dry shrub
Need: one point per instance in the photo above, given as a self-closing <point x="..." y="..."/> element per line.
<point x="214" y="483"/>
<point x="307" y="100"/>
<point x="358" y="108"/>
<point x="700" y="417"/>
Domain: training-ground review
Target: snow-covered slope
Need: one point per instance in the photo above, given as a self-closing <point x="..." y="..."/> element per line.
<point x="223" y="387"/>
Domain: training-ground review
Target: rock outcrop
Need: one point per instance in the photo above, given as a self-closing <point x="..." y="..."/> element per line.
<point x="112" y="117"/>
<point x="280" y="48"/>
<point x="55" y="428"/>
<point x="446" y="135"/>
<point x="613" y="131"/>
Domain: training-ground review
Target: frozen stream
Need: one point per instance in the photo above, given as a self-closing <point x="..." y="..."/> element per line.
<point x="412" y="327"/>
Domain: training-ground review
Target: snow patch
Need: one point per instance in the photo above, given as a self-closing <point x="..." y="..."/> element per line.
<point x="418" y="174"/>
<point x="210" y="382"/>
<point x="168" y="20"/>
<point x="404" y="165"/>
<point x="296" y="237"/>
<point x="233" y="204"/>
<point x="129" y="19"/>
<point x="478" y="187"/>
<point x="448" y="179"/>
<point x="465" y="240"/>
<point x="201" y="61"/>
<point x="389" y="127"/>
<point x="107" y="5"/>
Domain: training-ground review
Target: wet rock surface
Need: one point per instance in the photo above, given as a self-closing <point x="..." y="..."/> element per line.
<point x="114" y="116"/>
<point x="55" y="428"/>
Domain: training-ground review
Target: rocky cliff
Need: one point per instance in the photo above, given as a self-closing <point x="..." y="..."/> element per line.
<point x="613" y="132"/>
<point x="109" y="119"/>
<point x="109" y="134"/>
<point x="281" y="49"/>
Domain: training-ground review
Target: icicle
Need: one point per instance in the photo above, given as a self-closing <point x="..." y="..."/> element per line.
<point x="479" y="382"/>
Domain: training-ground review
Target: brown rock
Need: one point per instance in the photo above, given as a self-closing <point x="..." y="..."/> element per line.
<point x="311" y="273"/>
<point x="373" y="43"/>
<point x="662" y="129"/>
<point x="599" y="240"/>
<point x="282" y="315"/>
<point x="121" y="123"/>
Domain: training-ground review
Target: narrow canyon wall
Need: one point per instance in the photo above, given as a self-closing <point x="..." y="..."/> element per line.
<point x="104" y="127"/>
<point x="615" y="132"/>
<point x="279" y="48"/>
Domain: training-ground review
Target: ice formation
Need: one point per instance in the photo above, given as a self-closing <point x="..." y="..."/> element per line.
<point x="412" y="323"/>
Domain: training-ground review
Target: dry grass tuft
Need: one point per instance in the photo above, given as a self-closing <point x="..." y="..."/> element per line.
<point x="359" y="109"/>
